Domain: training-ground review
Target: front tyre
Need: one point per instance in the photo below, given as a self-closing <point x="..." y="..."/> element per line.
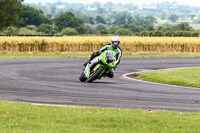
<point x="82" y="78"/>
<point x="95" y="75"/>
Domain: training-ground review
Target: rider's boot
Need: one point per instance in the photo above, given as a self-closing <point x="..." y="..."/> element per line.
<point x="91" y="64"/>
<point x="110" y="74"/>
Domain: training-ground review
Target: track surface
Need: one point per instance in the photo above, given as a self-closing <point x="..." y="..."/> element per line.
<point x="55" y="81"/>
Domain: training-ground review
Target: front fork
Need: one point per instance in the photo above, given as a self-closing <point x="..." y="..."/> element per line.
<point x="87" y="68"/>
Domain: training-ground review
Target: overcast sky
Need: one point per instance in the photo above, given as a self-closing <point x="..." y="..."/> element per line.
<point x="186" y="2"/>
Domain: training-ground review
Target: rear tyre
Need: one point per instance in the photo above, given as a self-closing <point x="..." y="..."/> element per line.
<point x="82" y="78"/>
<point x="95" y="75"/>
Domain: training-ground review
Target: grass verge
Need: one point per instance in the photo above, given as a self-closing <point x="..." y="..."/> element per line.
<point x="21" y="117"/>
<point x="79" y="54"/>
<point x="183" y="77"/>
<point x="43" y="55"/>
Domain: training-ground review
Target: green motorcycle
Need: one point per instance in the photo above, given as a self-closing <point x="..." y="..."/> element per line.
<point x="103" y="64"/>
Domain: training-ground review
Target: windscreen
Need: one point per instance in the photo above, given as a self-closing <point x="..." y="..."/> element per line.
<point x="111" y="55"/>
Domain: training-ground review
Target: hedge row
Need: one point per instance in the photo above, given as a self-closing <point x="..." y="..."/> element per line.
<point x="170" y="33"/>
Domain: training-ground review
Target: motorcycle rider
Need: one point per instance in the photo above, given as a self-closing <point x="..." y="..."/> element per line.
<point x="114" y="46"/>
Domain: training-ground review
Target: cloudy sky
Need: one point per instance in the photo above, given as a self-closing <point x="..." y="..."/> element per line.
<point x="186" y="2"/>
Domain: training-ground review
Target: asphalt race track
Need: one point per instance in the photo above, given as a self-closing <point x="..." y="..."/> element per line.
<point x="55" y="81"/>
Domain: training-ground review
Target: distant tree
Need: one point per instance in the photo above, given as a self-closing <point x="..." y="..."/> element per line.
<point x="100" y="27"/>
<point x="32" y="16"/>
<point x="173" y="17"/>
<point x="169" y="33"/>
<point x="11" y="31"/>
<point x="99" y="19"/>
<point x="113" y="29"/>
<point x="68" y="19"/>
<point x="81" y="29"/>
<point x="195" y="34"/>
<point x="91" y="20"/>
<point x="131" y="27"/>
<point x="134" y="28"/>
<point x="47" y="29"/>
<point x="26" y="31"/>
<point x="148" y="27"/>
<point x="86" y="18"/>
<point x="178" y="27"/>
<point x="158" y="33"/>
<point x="183" y="26"/>
<point x="144" y="33"/>
<point x="69" y="31"/>
<point x="101" y="10"/>
<point x="123" y="32"/>
<point x="122" y="20"/>
<point x="138" y="20"/>
<point x="31" y="27"/>
<point x="150" y="20"/>
<point x="104" y="32"/>
<point x="9" y="12"/>
<point x="90" y="29"/>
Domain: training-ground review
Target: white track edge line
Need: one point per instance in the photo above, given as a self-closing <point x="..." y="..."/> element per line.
<point x="126" y="77"/>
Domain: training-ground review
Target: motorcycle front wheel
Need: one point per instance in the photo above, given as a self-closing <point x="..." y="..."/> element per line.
<point x="95" y="75"/>
<point x="82" y="78"/>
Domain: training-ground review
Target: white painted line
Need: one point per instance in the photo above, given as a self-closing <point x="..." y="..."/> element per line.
<point x="143" y="71"/>
<point x="57" y="105"/>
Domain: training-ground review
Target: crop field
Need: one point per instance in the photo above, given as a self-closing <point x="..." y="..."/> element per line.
<point x="82" y="44"/>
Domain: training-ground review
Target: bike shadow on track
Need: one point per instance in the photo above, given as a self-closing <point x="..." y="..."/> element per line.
<point x="101" y="82"/>
<point x="96" y="82"/>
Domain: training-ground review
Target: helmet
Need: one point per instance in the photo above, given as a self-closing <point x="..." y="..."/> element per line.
<point x="115" y="41"/>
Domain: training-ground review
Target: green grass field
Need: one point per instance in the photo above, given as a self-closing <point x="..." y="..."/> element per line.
<point x="62" y="55"/>
<point x="21" y="117"/>
<point x="42" y="55"/>
<point x="183" y="77"/>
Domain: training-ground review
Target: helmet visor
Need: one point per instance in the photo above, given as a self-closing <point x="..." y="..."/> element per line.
<point x="115" y="43"/>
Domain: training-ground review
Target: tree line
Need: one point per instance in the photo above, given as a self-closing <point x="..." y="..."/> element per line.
<point x="19" y="19"/>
